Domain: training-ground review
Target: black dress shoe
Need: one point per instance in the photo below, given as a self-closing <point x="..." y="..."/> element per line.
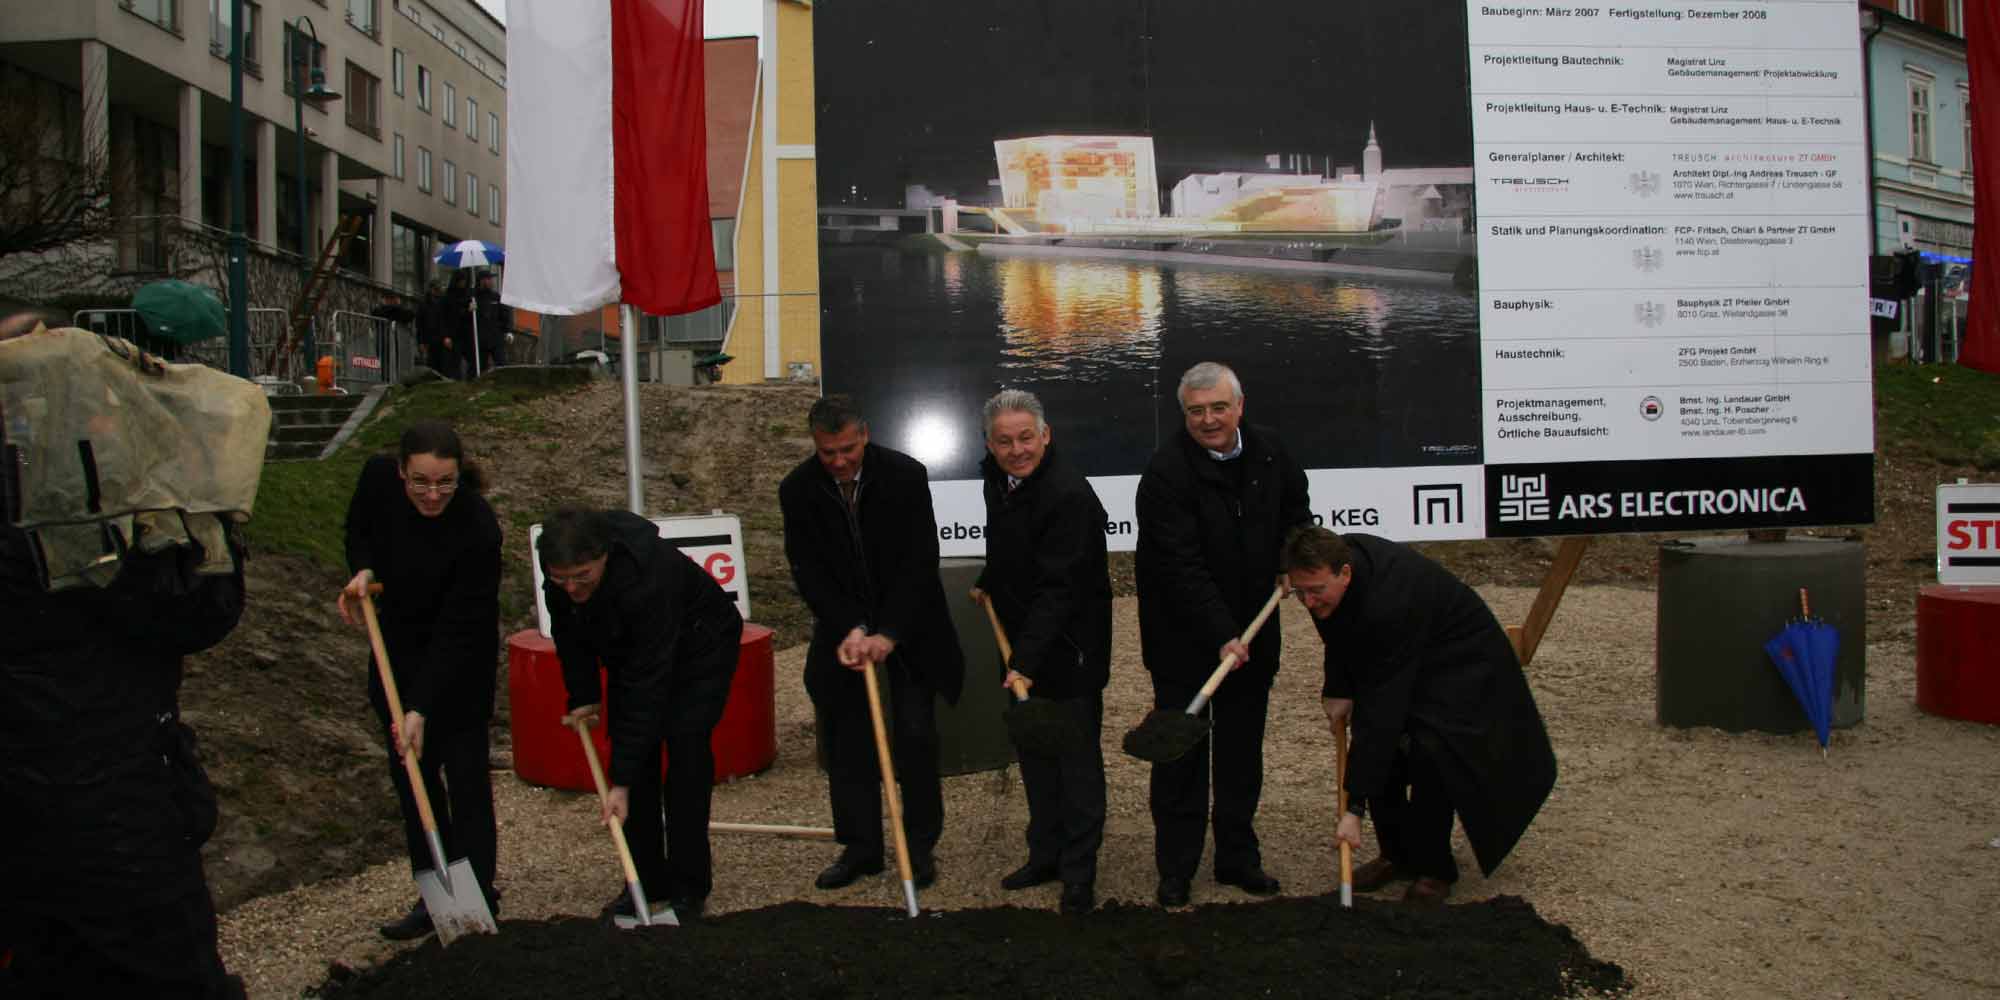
<point x="1173" y="891"/>
<point x="923" y="871"/>
<point x="688" y="909"/>
<point x="1078" y="898"/>
<point x="413" y="925"/>
<point x="1028" y="876"/>
<point x="1251" y="880"/>
<point x="843" y="872"/>
<point x="1376" y="874"/>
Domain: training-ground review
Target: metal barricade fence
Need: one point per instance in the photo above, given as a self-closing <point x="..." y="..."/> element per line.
<point x="268" y="329"/>
<point x="369" y="350"/>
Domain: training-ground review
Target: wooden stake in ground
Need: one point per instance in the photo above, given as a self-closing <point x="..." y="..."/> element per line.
<point x="454" y="909"/>
<point x="889" y="789"/>
<point x="1340" y="797"/>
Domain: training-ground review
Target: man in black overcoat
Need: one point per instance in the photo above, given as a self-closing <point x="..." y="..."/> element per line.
<point x="1213" y="507"/>
<point x="668" y="638"/>
<point x="862" y="541"/>
<point x="1443" y="718"/>
<point x="1047" y="578"/>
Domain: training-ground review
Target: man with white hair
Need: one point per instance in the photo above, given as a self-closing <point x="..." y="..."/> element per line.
<point x="1047" y="578"/>
<point x="1214" y="507"/>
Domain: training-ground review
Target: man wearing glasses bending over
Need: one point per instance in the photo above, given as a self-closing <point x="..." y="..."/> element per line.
<point x="668" y="638"/>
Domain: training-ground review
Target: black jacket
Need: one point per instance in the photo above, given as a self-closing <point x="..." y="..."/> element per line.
<point x="887" y="583"/>
<point x="1422" y="656"/>
<point x="104" y="796"/>
<point x="440" y="601"/>
<point x="666" y="634"/>
<point x="1046" y="576"/>
<point x="1208" y="551"/>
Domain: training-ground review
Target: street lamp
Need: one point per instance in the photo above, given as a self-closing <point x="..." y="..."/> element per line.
<point x="239" y="244"/>
<point x="304" y="72"/>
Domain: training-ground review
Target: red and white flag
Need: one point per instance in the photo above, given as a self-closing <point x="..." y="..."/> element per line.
<point x="607" y="156"/>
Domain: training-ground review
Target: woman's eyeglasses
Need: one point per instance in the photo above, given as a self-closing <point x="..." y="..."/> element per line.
<point x="442" y="488"/>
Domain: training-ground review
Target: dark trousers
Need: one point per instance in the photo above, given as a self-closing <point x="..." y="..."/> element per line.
<point x="1180" y="790"/>
<point x="669" y="835"/>
<point x="1413" y="818"/>
<point x="460" y="786"/>
<point x="165" y="950"/>
<point x="854" y="776"/>
<point x="1066" y="800"/>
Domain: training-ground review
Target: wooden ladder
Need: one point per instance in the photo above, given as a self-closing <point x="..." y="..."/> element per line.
<point x="313" y="292"/>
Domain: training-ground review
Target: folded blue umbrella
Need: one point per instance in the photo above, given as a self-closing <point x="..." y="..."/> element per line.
<point x="1804" y="652"/>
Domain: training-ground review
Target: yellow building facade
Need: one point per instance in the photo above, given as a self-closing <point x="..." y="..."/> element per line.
<point x="774" y="333"/>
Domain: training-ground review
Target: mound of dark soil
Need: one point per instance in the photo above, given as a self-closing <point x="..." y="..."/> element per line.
<point x="1289" y="947"/>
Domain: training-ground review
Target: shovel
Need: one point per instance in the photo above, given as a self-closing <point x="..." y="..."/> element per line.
<point x="632" y="886"/>
<point x="450" y="891"/>
<point x="1164" y="735"/>
<point x="1041" y="726"/>
<point x="1340" y="796"/>
<point x="889" y="789"/>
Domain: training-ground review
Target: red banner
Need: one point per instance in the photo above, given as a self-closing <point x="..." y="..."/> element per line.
<point x="1981" y="349"/>
<point x="666" y="255"/>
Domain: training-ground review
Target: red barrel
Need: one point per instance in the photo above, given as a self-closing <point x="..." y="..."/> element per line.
<point x="1958" y="664"/>
<point x="546" y="753"/>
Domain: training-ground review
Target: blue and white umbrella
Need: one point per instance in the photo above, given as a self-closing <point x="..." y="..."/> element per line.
<point x="470" y="253"/>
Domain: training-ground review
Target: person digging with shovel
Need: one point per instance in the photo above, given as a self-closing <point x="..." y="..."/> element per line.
<point x="1048" y="582"/>
<point x="1443" y="719"/>
<point x="1213" y="507"/>
<point x="668" y="638"/>
<point x="419" y="526"/>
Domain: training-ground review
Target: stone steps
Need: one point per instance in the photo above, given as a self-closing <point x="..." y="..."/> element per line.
<point x="302" y="426"/>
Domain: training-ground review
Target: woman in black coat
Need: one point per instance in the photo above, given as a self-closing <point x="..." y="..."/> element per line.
<point x="418" y="526"/>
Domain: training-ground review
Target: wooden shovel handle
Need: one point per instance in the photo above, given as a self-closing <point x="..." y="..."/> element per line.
<point x="1340" y="795"/>
<point x="604" y="794"/>
<point x="889" y="789"/>
<point x="396" y="710"/>
<point x="1228" y="662"/>
<point x="1017" y="685"/>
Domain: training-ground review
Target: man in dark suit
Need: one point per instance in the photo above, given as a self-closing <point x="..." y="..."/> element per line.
<point x="1213" y="507"/>
<point x="1047" y="578"/>
<point x="668" y="638"/>
<point x="862" y="541"/>
<point x="1444" y="721"/>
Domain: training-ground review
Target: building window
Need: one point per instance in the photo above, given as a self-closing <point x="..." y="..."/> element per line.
<point x="471" y="193"/>
<point x="450" y="106"/>
<point x="363" y="100"/>
<point x="472" y="119"/>
<point x="396" y="155"/>
<point x="450" y="183"/>
<point x="165" y="13"/>
<point x="315" y="53"/>
<point x="423" y="170"/>
<point x="396" y="70"/>
<point x="218" y="32"/>
<point x="361" y="14"/>
<point x="493" y="203"/>
<point x="493" y="131"/>
<point x="423" y="88"/>
<point x="724" y="231"/>
<point x="1965" y="103"/>
<point x="1920" y="119"/>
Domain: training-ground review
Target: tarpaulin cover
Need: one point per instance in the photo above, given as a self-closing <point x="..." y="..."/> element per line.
<point x="106" y="447"/>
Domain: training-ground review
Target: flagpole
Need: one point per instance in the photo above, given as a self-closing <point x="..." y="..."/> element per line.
<point x="628" y="353"/>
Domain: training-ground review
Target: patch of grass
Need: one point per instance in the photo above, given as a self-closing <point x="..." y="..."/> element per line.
<point x="1948" y="413"/>
<point x="302" y="506"/>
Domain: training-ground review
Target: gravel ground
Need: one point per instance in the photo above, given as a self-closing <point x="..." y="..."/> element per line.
<point x="1707" y="864"/>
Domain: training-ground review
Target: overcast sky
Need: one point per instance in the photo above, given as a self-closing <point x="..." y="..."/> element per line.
<point x="723" y="18"/>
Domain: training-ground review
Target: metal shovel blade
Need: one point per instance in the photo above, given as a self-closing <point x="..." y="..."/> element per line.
<point x="1166" y="736"/>
<point x="663" y="916"/>
<point x="455" y="913"/>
